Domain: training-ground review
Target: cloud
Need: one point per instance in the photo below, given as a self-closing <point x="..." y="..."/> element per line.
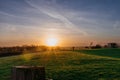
<point x="20" y="20"/>
<point x="51" y="9"/>
<point x="116" y="25"/>
<point x="7" y="14"/>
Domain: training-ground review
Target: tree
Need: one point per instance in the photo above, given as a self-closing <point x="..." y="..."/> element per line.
<point x="112" y="45"/>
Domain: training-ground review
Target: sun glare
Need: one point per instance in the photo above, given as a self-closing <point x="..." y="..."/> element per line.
<point x="52" y="42"/>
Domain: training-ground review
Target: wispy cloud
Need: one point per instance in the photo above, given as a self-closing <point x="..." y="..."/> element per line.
<point x="78" y="18"/>
<point x="53" y="12"/>
<point x="116" y="25"/>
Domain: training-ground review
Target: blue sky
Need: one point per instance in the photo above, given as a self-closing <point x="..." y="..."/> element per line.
<point x="74" y="22"/>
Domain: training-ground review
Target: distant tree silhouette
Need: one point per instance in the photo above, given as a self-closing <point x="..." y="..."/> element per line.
<point x="112" y="45"/>
<point x="73" y="48"/>
<point x="9" y="51"/>
<point x="98" y="46"/>
<point x="90" y="46"/>
<point x="105" y="46"/>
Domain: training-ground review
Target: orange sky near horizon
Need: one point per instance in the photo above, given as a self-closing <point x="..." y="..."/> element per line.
<point x="71" y="22"/>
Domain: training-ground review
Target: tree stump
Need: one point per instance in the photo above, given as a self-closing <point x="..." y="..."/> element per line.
<point x="28" y="73"/>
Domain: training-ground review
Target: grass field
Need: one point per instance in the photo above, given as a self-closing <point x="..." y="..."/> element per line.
<point x="114" y="53"/>
<point x="101" y="64"/>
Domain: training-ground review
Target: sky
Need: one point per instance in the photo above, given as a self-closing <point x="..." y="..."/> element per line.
<point x="72" y="22"/>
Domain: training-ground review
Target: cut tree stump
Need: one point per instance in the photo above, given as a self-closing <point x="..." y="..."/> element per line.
<point x="28" y="73"/>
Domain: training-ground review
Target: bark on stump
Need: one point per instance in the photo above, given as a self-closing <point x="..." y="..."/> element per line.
<point x="28" y="73"/>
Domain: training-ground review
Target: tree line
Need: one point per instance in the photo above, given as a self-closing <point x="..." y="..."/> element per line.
<point x="17" y="50"/>
<point x="9" y="51"/>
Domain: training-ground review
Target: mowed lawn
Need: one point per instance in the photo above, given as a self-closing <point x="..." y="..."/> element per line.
<point x="110" y="52"/>
<point x="68" y="65"/>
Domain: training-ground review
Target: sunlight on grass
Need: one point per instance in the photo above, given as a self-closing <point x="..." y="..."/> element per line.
<point x="27" y="57"/>
<point x="65" y="65"/>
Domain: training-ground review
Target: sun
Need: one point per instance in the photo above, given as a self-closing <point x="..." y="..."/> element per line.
<point x="52" y="41"/>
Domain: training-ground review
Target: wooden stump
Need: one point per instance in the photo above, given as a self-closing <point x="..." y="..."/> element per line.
<point x="28" y="73"/>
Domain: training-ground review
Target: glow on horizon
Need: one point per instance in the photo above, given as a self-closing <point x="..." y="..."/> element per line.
<point x="52" y="42"/>
<point x="75" y="22"/>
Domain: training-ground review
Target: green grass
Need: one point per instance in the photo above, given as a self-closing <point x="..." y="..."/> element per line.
<point x="115" y="52"/>
<point x="67" y="65"/>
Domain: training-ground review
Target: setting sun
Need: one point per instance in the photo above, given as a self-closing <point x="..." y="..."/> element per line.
<point x="52" y="42"/>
